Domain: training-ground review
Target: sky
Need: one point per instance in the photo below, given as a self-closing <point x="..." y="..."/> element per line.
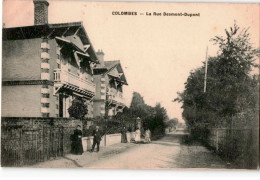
<point x="157" y="52"/>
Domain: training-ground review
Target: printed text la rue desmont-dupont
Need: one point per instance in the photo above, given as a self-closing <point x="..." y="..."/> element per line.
<point x="134" y="13"/>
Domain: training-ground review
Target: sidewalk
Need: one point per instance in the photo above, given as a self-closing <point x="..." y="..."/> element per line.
<point x="86" y="159"/>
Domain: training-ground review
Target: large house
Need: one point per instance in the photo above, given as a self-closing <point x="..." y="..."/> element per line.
<point x="109" y="79"/>
<point x="46" y="66"/>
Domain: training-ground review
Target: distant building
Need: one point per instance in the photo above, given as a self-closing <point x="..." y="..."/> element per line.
<point x="109" y="78"/>
<point x="46" y="66"/>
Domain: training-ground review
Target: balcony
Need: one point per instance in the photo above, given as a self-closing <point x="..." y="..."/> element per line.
<point x="117" y="99"/>
<point x="62" y="77"/>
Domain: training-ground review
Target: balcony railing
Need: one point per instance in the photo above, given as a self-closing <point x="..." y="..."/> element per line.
<point x="118" y="98"/>
<point x="65" y="77"/>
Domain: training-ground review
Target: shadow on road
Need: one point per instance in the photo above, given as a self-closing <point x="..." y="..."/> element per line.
<point x="165" y="144"/>
<point x="74" y="161"/>
<point x="173" y="139"/>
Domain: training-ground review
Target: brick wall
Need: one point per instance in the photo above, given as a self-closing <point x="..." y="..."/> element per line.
<point x="99" y="100"/>
<point x="53" y="100"/>
<point x="21" y="101"/>
<point x="53" y="57"/>
<point x="97" y="108"/>
<point x="40" y="12"/>
<point x="21" y="59"/>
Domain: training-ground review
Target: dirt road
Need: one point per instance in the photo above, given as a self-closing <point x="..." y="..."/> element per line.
<point x="167" y="153"/>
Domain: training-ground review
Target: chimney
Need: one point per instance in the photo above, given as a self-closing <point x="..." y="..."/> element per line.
<point x="40" y="12"/>
<point x="100" y="55"/>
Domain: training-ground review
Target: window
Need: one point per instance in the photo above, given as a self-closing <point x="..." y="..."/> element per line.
<point x="45" y="60"/>
<point x="46" y="95"/>
<point x="45" y="70"/>
<point x="44" y="86"/>
<point x="45" y="105"/>
<point x="45" y="114"/>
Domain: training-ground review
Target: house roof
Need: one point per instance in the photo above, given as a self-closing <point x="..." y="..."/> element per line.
<point x="110" y="65"/>
<point x="51" y="31"/>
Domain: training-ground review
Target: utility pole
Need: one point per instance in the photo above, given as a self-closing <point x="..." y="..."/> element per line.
<point x="106" y="115"/>
<point x="206" y="71"/>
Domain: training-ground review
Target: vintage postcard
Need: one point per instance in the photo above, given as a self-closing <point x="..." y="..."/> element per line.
<point x="130" y="85"/>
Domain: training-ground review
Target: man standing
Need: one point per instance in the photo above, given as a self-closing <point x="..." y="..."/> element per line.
<point x="97" y="138"/>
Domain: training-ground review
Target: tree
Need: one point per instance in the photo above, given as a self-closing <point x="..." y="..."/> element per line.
<point x="231" y="100"/>
<point x="138" y="108"/>
<point x="172" y="122"/>
<point x="157" y="122"/>
<point x="231" y="89"/>
<point x="78" y="109"/>
<point x="153" y="118"/>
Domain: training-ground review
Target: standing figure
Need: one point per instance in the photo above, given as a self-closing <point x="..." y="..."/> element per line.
<point x="97" y="138"/>
<point x="137" y="135"/>
<point x="76" y="145"/>
<point x="148" y="135"/>
<point x="123" y="135"/>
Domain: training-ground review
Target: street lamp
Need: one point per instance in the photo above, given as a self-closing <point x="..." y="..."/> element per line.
<point x="106" y="113"/>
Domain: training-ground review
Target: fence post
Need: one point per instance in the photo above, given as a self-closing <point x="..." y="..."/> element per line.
<point x="21" y="145"/>
<point x="217" y="141"/>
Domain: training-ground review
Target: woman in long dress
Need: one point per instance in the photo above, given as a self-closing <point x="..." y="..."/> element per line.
<point x="76" y="145"/>
<point x="148" y="135"/>
<point x="123" y="135"/>
<point x="137" y="135"/>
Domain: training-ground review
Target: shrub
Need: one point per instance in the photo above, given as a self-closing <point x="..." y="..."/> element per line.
<point x="78" y="109"/>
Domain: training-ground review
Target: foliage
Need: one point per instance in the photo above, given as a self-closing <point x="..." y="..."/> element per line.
<point x="232" y="97"/>
<point x="106" y="127"/>
<point x="156" y="121"/>
<point x="78" y="109"/>
<point x="153" y="118"/>
<point x="231" y="90"/>
<point x="172" y="123"/>
<point x="138" y="108"/>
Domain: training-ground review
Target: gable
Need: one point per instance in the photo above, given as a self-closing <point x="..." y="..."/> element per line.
<point x="74" y="32"/>
<point x="76" y="40"/>
<point x="114" y="72"/>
